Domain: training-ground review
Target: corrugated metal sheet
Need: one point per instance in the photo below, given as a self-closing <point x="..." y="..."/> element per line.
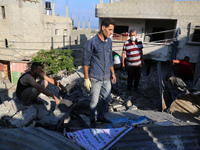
<point x="161" y="138"/>
<point x="34" y="139"/>
<point x="187" y="107"/>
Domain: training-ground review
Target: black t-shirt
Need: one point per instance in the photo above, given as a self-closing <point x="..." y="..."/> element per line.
<point x="21" y="87"/>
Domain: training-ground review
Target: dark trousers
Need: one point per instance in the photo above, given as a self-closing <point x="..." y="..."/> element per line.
<point x="133" y="73"/>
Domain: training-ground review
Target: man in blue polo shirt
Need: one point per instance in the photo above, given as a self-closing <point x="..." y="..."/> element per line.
<point x="97" y="64"/>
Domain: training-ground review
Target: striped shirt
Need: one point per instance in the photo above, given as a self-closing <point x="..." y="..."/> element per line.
<point x="133" y="52"/>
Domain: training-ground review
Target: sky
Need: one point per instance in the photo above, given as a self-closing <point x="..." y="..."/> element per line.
<point x="81" y="10"/>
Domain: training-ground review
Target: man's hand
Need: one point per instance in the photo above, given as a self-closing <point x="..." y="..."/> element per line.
<point x="143" y="64"/>
<point x="123" y="67"/>
<point x="113" y="80"/>
<point x="62" y="87"/>
<point x="56" y="99"/>
<point x="123" y="61"/>
<point x="87" y="84"/>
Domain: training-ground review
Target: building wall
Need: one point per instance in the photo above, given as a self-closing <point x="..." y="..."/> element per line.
<point x="28" y="29"/>
<point x="136" y="9"/>
<point x="22" y="27"/>
<point x="187" y="12"/>
<point x="184" y="12"/>
<point x="81" y="35"/>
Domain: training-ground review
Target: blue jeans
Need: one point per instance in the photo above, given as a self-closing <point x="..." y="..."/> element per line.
<point x="103" y="89"/>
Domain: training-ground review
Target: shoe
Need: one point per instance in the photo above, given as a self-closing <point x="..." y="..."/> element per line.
<point x="104" y="120"/>
<point x="92" y="123"/>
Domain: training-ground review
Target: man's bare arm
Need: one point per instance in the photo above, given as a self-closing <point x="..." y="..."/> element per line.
<point x="29" y="79"/>
<point x="123" y="59"/>
<point x="85" y="68"/>
<point x="52" y="81"/>
<point x="113" y="80"/>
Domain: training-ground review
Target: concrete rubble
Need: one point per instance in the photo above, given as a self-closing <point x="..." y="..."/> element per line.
<point x="73" y="111"/>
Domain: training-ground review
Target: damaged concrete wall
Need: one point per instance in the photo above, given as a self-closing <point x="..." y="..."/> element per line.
<point x="184" y="14"/>
<point x="28" y="29"/>
<point x="142" y="9"/>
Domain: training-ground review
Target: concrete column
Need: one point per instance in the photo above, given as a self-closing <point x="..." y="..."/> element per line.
<point x="83" y="24"/>
<point x="66" y="11"/>
<point x="111" y="1"/>
<point x="88" y="24"/>
<point x="78" y="24"/>
<point x="101" y="2"/>
<point x="53" y="10"/>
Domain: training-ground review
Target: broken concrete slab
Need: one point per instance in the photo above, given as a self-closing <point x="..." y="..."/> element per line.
<point x="9" y="108"/>
<point x="83" y="106"/>
<point x="57" y="115"/>
<point x="128" y="104"/>
<point x="49" y="101"/>
<point x="121" y="108"/>
<point x="116" y="105"/>
<point x="78" y="75"/>
<point x="133" y="107"/>
<point x="42" y="112"/>
<point x="49" y="120"/>
<point x="53" y="89"/>
<point x="67" y="120"/>
<point x="7" y="91"/>
<point x="86" y="119"/>
<point x="22" y="118"/>
<point x="110" y="109"/>
<point x="72" y="87"/>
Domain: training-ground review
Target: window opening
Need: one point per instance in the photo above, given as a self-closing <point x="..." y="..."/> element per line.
<point x="6" y="43"/>
<point x="3" y="12"/>
<point x="56" y="32"/>
<point x="196" y="35"/>
<point x="65" y="31"/>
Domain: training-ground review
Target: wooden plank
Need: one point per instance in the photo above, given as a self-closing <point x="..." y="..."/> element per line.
<point x="160" y="82"/>
<point x="197" y="72"/>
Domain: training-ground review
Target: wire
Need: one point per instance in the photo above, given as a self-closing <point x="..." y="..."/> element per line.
<point x="161" y="32"/>
<point x="34" y="42"/>
<point x="21" y="48"/>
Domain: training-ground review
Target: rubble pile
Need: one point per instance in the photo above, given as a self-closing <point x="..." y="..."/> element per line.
<point x="73" y="111"/>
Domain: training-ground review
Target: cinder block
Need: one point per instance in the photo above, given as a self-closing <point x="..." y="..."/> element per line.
<point x="22" y="118"/>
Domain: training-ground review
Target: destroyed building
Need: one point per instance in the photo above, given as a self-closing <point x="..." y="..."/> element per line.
<point x="170" y="106"/>
<point x="159" y="24"/>
<point x="28" y="26"/>
<point x="169" y="30"/>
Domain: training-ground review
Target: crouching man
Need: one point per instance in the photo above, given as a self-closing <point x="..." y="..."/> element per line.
<point x="28" y="89"/>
